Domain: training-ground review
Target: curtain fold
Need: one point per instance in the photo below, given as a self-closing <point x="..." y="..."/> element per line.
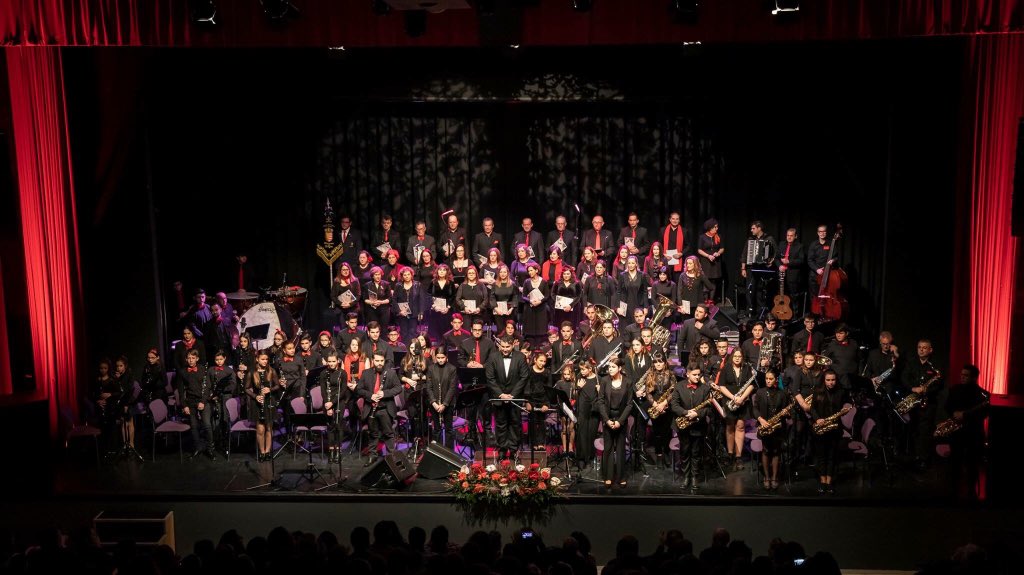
<point x="984" y="272"/>
<point x="50" y="230"/>
<point x="353" y="23"/>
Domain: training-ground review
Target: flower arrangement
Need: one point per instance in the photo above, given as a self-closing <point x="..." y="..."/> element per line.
<point x="505" y="490"/>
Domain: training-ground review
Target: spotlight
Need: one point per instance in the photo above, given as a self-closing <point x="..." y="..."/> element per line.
<point x="278" y="10"/>
<point x="203" y="12"/>
<point x="684" y="10"/>
<point x="582" y="5"/>
<point x="415" y="23"/>
<point x="782" y="6"/>
<point x="380" y="7"/>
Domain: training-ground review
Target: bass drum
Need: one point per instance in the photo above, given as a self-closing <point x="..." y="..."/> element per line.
<point x="263" y="320"/>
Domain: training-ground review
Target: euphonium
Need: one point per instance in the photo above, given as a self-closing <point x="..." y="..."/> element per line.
<point x="769" y="349"/>
<point x="661" y="333"/>
<point x="831" y="423"/>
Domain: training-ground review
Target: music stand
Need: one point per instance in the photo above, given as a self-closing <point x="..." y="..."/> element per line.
<point x="309" y="421"/>
<point x="469" y="399"/>
<point x="638" y="453"/>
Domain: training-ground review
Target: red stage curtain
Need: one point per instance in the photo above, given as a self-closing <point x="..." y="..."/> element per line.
<point x="552" y="22"/>
<point x="984" y="274"/>
<point x="53" y="281"/>
<point x="6" y="383"/>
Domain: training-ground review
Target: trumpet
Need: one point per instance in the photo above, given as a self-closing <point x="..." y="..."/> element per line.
<point x="614" y="352"/>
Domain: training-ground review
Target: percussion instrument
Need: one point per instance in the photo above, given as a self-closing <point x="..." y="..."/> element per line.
<point x="293" y="297"/>
<point x="241" y="301"/>
<point x="263" y="320"/>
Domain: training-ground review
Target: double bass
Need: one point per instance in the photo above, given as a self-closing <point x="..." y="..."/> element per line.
<point x="830" y="304"/>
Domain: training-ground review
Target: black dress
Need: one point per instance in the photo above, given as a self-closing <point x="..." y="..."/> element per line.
<point x="535" y="318"/>
<point x="438" y="321"/>
<point x="712" y="269"/>
<point x="572" y="291"/>
<point x="587" y="420"/>
<point x="734" y="382"/>
<point x="692" y="289"/>
<point x="508" y="294"/>
<point x="633" y="291"/>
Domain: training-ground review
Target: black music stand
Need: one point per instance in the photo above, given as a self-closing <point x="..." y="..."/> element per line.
<point x="310" y="420"/>
<point x="471" y="394"/>
<point x="415" y="401"/>
<point x="638" y="451"/>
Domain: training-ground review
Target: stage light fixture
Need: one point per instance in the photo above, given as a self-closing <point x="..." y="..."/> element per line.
<point x="203" y="12"/>
<point x="380" y="7"/>
<point x="783" y="6"/>
<point x="582" y="5"/>
<point x="415" y="23"/>
<point x="279" y="10"/>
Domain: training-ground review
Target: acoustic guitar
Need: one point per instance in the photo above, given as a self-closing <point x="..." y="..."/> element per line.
<point x="782" y="308"/>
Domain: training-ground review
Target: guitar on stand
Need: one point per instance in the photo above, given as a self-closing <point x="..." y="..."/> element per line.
<point x="782" y="309"/>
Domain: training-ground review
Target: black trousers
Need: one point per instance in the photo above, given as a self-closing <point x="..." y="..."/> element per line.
<point x="690" y="446"/>
<point x="381" y="425"/>
<point x="443" y="423"/>
<point x="613" y="459"/>
<point x="586" y="433"/>
<point x="538" y="427"/>
<point x="661" y="433"/>
<point x="924" y="421"/>
<point x="201" y="427"/>
<point x="826" y="451"/>
<point x="507" y="427"/>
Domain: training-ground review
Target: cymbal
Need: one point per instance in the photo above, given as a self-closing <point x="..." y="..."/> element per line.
<point x="242" y="295"/>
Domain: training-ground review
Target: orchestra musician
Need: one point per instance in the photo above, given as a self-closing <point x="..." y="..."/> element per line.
<point x="845" y="355"/>
<point x="378" y="387"/>
<point x="441" y="388"/>
<point x="808" y="340"/>
<point x="660" y="382"/>
<point x="474" y="351"/>
<point x="336" y="393"/>
<point x="566" y="349"/>
<point x="196" y="401"/>
<point x="310" y="358"/>
<point x="688" y="395"/>
<point x="967" y="404"/>
<point x="355" y="362"/>
<point x="223" y="386"/>
<point x="829" y="399"/>
<point x="604" y="342"/>
<point x="819" y="256"/>
<point x="916" y="372"/>
<point x="793" y="261"/>
<point x="756" y="293"/>
<point x="632" y="331"/>
<point x="506" y="374"/>
<point x="587" y="391"/>
<point x="614" y="403"/>
<point x="694" y="329"/>
<point x="538" y="400"/>
<point x="768" y="401"/>
<point x="733" y="385"/>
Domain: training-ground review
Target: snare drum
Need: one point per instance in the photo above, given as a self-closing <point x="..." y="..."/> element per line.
<point x="294" y="298"/>
<point x="242" y="300"/>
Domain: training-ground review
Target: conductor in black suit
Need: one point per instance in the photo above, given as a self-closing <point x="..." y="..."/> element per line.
<point x="380" y="386"/>
<point x="506" y="378"/>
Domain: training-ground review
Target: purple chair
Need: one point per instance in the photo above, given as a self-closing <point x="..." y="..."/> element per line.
<point x="235" y="423"/>
<point x="161" y="424"/>
<point x="75" y="431"/>
<point x="299" y="407"/>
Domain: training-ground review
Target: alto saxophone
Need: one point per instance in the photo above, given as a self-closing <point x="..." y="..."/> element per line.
<point x="775" y="422"/>
<point x="683" y="422"/>
<point x="831" y="423"/>
<point x="731" y="404"/>
<point x="664" y="397"/>
<point x="913" y="400"/>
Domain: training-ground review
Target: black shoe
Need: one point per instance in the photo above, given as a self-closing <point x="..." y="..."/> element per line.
<point x="693" y="484"/>
<point x="194" y="454"/>
<point x="830" y="490"/>
<point x="821" y="488"/>
<point x="211" y="455"/>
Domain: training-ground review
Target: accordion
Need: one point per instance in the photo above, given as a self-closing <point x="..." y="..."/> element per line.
<point x="759" y="252"/>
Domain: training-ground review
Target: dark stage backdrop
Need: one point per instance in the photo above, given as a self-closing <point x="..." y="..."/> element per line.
<point x="242" y="147"/>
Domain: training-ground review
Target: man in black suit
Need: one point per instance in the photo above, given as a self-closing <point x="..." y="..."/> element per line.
<point x="378" y="388"/>
<point x="533" y="240"/>
<point x="634" y="237"/>
<point x="474" y="351"/>
<point x="385" y="236"/>
<point x="351" y="241"/>
<point x="807" y="340"/>
<point x="374" y="344"/>
<point x="793" y="261"/>
<point x="485" y="240"/>
<point x="451" y="237"/>
<point x="506" y="379"/>
<point x="570" y="249"/>
<point x="419" y="242"/>
<point x="565" y="348"/>
<point x="698" y="326"/>
<point x="600" y="239"/>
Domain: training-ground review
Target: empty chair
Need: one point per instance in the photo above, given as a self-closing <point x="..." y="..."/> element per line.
<point x="165" y="426"/>
<point x="235" y="424"/>
<point x="299" y="408"/>
<point x="75" y="431"/>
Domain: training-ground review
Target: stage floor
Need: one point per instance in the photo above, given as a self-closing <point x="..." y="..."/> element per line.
<point x="857" y="481"/>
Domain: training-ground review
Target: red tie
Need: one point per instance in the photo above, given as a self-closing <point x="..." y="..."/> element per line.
<point x="597" y="241"/>
<point x="634" y="233"/>
<point x="193" y="369"/>
<point x="810" y="340"/>
<point x="344" y="234"/>
<point x="478" y="351"/>
<point x="376" y="386"/>
<point x="385" y="235"/>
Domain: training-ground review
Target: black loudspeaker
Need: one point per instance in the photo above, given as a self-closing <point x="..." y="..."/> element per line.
<point x="1017" y="207"/>
<point x="439" y="462"/>
<point x="393" y="471"/>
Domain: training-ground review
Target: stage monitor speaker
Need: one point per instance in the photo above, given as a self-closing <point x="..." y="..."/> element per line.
<point x="1017" y="207"/>
<point x="393" y="471"/>
<point x="439" y="462"/>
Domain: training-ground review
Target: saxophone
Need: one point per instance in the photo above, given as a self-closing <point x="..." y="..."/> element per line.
<point x="683" y="422"/>
<point x="775" y="421"/>
<point x="731" y="404"/>
<point x="913" y="400"/>
<point x="948" y="427"/>
<point x="831" y="423"/>
<point x="652" y="410"/>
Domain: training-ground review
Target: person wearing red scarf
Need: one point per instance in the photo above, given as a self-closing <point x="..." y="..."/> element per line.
<point x="673" y="238"/>
<point x="710" y="250"/>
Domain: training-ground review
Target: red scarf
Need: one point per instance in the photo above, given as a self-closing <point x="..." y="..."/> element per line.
<point x="546" y="269"/>
<point x="678" y="245"/>
<point x="717" y="239"/>
<point x="189" y="343"/>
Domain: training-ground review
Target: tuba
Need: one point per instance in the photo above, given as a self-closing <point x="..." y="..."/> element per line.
<point x="601" y="315"/>
<point x="770" y="350"/>
<point x="661" y="333"/>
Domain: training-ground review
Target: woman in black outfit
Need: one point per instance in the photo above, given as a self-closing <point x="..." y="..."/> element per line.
<point x="614" y="404"/>
<point x="586" y="413"/>
<point x="731" y="384"/>
<point x="538" y="400"/>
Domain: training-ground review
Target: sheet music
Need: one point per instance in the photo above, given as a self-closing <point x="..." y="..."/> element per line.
<point x="488" y="274"/>
<point x="449" y="248"/>
<point x="561" y="302"/>
<point x="384" y="248"/>
<point x="439" y="304"/>
<point x="469" y="305"/>
<point x="568" y="412"/>
<point x="560" y="244"/>
<point x="529" y="251"/>
<point x="481" y="260"/>
<point x="686" y="306"/>
<point x="622" y="309"/>
<point x="535" y="296"/>
<point x="673" y="257"/>
<point x="628" y="241"/>
<point x="417" y="250"/>
<point x="502" y="307"/>
<point x="583" y="279"/>
<point x="404" y="309"/>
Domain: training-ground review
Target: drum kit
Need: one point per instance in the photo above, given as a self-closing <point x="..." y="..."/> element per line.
<point x="275" y="309"/>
